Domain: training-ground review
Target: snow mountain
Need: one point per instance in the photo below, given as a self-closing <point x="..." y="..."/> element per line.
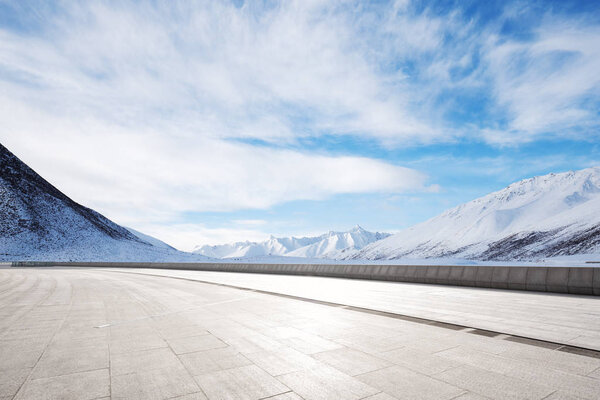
<point x="328" y="245"/>
<point x="38" y="222"/>
<point x="545" y="216"/>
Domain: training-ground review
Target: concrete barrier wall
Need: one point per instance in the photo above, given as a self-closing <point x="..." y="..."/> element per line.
<point x="583" y="280"/>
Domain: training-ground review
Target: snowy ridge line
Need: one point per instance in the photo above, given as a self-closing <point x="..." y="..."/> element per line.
<point x="329" y="245"/>
<point x="572" y="280"/>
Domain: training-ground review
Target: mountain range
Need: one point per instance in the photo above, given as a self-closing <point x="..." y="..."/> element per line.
<point x="329" y="245"/>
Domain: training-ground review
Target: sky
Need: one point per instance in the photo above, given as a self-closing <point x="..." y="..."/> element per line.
<point x="207" y="122"/>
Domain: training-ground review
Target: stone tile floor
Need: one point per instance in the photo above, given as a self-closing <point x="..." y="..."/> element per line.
<point x="568" y="319"/>
<point x="95" y="334"/>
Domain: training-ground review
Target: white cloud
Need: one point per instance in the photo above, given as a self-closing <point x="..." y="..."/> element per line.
<point x="546" y="82"/>
<point x="135" y="175"/>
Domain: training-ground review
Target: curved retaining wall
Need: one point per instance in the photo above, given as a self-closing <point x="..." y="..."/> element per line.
<point x="576" y="280"/>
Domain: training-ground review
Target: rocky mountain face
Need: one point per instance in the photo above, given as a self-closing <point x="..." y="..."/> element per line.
<point x="39" y="222"/>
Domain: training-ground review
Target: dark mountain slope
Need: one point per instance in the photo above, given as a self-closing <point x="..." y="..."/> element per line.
<point x="39" y="222"/>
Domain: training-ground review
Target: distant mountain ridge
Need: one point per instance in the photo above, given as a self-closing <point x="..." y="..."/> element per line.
<point x="545" y="216"/>
<point x="328" y="245"/>
<point x="39" y="222"/>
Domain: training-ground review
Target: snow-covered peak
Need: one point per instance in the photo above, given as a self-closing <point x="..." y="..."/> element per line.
<point x="562" y="203"/>
<point x="330" y="245"/>
<point x="357" y="229"/>
<point x="571" y="184"/>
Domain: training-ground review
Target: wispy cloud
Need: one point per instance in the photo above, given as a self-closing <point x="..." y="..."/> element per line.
<point x="550" y="85"/>
<point x="285" y="70"/>
<point x="211" y="70"/>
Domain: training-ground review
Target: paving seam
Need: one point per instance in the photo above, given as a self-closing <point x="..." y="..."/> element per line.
<point x="279" y="394"/>
<point x="583" y="351"/>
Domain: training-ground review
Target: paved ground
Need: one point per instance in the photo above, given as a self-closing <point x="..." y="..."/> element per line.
<point x="90" y="334"/>
<point x="567" y="319"/>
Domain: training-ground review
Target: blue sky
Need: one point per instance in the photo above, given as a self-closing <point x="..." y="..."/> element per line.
<point x="210" y="122"/>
